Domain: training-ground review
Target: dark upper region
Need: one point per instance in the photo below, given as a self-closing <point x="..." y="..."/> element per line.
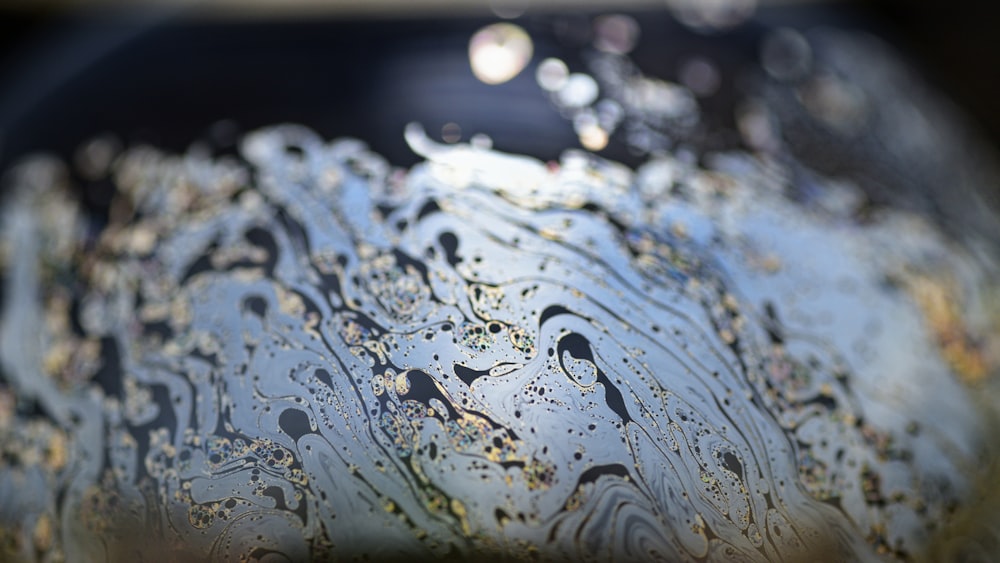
<point x="168" y="80"/>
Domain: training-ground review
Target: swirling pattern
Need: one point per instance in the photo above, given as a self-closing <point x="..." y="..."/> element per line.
<point x="311" y="354"/>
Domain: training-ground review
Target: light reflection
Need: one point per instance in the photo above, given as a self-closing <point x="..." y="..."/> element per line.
<point x="708" y="15"/>
<point x="785" y="54"/>
<point x="551" y="74"/>
<point x="593" y="137"/>
<point x="93" y="158"/>
<point x="661" y="98"/>
<point x="499" y="52"/>
<point x="481" y="141"/>
<point x="835" y="102"/>
<point x="579" y="90"/>
<point x="755" y="126"/>
<point x="451" y="132"/>
<point x="616" y="34"/>
<point x="509" y="9"/>
<point x="700" y="76"/>
<point x="609" y="113"/>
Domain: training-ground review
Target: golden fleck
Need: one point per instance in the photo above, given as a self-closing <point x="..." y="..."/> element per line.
<point x="549" y="234"/>
<point x="679" y="230"/>
<point x="939" y="303"/>
<point x="151" y="312"/>
<point x="458" y="509"/>
<point x="771" y="264"/>
<point x="56" y="453"/>
<point x="6" y="409"/>
<point x="43" y="533"/>
<point x="698" y="526"/>
<point x="727" y="336"/>
<point x="142" y="240"/>
<point x="290" y="302"/>
<point x="57" y="312"/>
<point x="181" y="314"/>
<point x="58" y="357"/>
<point x="593" y="137"/>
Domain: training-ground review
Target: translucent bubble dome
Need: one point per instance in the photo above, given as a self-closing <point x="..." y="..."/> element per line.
<point x="307" y="353"/>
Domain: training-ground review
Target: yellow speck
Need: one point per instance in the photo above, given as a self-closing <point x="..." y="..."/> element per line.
<point x="402" y="383"/>
<point x="42" y="535"/>
<point x="727" y="336"/>
<point x="181" y="313"/>
<point x="549" y="233"/>
<point x="57" y="358"/>
<point x="938" y="302"/>
<point x="698" y="526"/>
<point x="594" y="138"/>
<point x="151" y="312"/>
<point x="289" y="302"/>
<point x="771" y="263"/>
<point x="56" y="454"/>
<point x="143" y="240"/>
<point x="458" y="509"/>
<point x="679" y="229"/>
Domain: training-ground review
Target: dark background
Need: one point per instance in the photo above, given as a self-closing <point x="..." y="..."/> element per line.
<point x="168" y="79"/>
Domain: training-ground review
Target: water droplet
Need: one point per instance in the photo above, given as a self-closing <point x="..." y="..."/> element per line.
<point x="481" y="141"/>
<point x="551" y="74"/>
<point x="93" y="159"/>
<point x="755" y="125"/>
<point x="609" y="114"/>
<point x="700" y="76"/>
<point x="579" y="90"/>
<point x="499" y="52"/>
<point x="592" y="136"/>
<point x="785" y="54"/>
<point x="616" y="34"/>
<point x="836" y="102"/>
<point x="509" y="9"/>
<point x="661" y="99"/>
<point x="712" y="14"/>
<point x="451" y="132"/>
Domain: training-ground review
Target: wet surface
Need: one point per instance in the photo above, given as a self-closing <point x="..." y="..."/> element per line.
<point x="770" y="334"/>
<point x="312" y="353"/>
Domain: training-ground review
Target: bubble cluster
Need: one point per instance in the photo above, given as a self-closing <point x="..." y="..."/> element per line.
<point x="615" y="98"/>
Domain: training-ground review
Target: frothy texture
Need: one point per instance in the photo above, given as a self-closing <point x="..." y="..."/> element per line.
<point x="310" y="353"/>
